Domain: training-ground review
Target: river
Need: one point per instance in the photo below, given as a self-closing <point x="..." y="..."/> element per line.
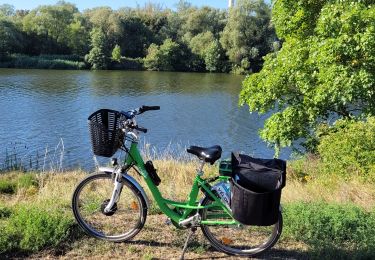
<point x="44" y="113"/>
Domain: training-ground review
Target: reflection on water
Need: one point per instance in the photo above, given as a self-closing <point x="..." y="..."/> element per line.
<point x="39" y="107"/>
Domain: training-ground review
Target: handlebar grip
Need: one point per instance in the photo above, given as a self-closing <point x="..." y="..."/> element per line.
<point x="141" y="129"/>
<point x="147" y="108"/>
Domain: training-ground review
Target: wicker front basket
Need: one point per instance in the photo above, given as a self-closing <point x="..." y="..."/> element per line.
<point x="106" y="138"/>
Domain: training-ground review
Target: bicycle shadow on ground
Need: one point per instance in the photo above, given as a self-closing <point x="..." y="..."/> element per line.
<point x="149" y="243"/>
<point x="271" y="254"/>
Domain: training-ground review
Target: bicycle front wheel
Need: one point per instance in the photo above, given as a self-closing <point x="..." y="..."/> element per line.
<point x="238" y="239"/>
<point x="126" y="217"/>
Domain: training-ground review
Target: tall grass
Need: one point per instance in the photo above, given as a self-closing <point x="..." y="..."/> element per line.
<point x="19" y="158"/>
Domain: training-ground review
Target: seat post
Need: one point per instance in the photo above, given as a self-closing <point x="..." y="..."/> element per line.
<point x="200" y="169"/>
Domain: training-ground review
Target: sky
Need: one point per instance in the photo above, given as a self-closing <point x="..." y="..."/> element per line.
<point x="114" y="4"/>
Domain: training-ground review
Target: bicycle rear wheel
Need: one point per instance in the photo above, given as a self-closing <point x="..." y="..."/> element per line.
<point x="123" y="222"/>
<point x="239" y="240"/>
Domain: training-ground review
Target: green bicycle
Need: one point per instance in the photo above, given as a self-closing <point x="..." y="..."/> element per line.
<point x="111" y="205"/>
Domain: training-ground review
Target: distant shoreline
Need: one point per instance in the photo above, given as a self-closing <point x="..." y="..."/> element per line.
<point x="64" y="62"/>
<point x="74" y="62"/>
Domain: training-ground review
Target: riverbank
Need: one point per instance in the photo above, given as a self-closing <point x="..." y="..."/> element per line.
<point x="67" y="62"/>
<point x="323" y="217"/>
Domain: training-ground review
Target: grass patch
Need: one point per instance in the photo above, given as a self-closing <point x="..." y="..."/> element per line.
<point x="340" y="226"/>
<point x="32" y="228"/>
<point x="5" y="212"/>
<point x="11" y="183"/>
<point x="7" y="186"/>
<point x="27" y="180"/>
<point x="331" y="230"/>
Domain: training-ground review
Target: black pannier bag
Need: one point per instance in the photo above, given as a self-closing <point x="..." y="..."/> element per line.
<point x="256" y="189"/>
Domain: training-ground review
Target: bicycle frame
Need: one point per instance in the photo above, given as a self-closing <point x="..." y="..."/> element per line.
<point x="134" y="158"/>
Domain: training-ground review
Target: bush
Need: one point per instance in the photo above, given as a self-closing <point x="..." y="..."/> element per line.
<point x="32" y="228"/>
<point x="331" y="229"/>
<point x="348" y="148"/>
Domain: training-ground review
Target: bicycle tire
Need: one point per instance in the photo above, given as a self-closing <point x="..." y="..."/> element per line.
<point x="222" y="237"/>
<point x="88" y="205"/>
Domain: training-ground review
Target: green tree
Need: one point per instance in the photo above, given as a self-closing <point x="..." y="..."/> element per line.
<point x="248" y="34"/>
<point x="208" y="49"/>
<point x="213" y="57"/>
<point x="200" y="20"/>
<point x="154" y="17"/>
<point x="163" y="57"/>
<point x="7" y="10"/>
<point x="324" y="71"/>
<point x="10" y="38"/>
<point x="98" y="56"/>
<point x="172" y="28"/>
<point x="135" y="35"/>
<point x="105" y="19"/>
<point x="116" y="53"/>
<point x="79" y="35"/>
<point x="51" y="22"/>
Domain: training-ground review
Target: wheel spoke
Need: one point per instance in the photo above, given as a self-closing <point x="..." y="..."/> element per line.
<point x="125" y="218"/>
<point x="237" y="239"/>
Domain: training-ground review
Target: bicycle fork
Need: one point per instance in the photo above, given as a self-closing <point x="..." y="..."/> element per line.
<point x="115" y="193"/>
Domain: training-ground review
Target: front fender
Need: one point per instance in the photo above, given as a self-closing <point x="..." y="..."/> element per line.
<point x="110" y="170"/>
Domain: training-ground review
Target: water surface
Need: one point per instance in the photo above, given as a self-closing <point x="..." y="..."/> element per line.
<point x="39" y="108"/>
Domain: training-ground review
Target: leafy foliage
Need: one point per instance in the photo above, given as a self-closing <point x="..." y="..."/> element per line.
<point x="248" y="35"/>
<point x="61" y="29"/>
<point x="51" y="23"/>
<point x="10" y="38"/>
<point x="116" y="53"/>
<point x="324" y="71"/>
<point x="163" y="57"/>
<point x="98" y="56"/>
<point x="213" y="57"/>
<point x="349" y="147"/>
<point x="208" y="50"/>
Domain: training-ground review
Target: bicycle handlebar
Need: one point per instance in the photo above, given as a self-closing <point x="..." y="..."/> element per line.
<point x="141" y="129"/>
<point x="132" y="113"/>
<point x="147" y="108"/>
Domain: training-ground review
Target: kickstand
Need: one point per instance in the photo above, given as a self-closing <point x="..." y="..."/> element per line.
<point x="192" y="231"/>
